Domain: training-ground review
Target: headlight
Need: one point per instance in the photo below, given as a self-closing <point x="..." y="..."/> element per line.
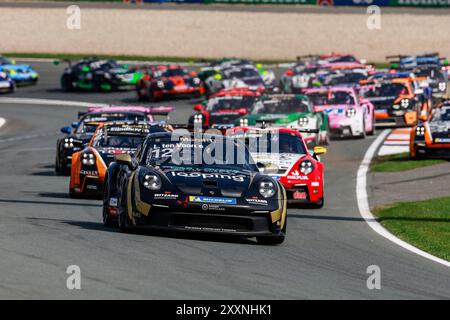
<point x="306" y="167"/>
<point x="420" y="131"/>
<point x="243" y="122"/>
<point x="303" y="122"/>
<point x="404" y="103"/>
<point x="442" y="86"/>
<point x="198" y="118"/>
<point x="350" y="112"/>
<point x="160" y="84"/>
<point x="196" y="81"/>
<point x="68" y="143"/>
<point x="266" y="188"/>
<point x="152" y="182"/>
<point x="107" y="75"/>
<point x="88" y="159"/>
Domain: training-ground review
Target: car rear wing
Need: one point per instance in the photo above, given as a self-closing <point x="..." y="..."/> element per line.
<point x="159" y="111"/>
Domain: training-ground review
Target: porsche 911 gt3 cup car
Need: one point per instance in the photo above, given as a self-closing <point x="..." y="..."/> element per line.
<point x="94" y="74"/>
<point x="431" y="139"/>
<point x="282" y="153"/>
<point x="169" y="81"/>
<point x="90" y="164"/>
<point x="349" y="116"/>
<point x="21" y="74"/>
<point x="180" y="181"/>
<point x="80" y="132"/>
<point x="235" y="77"/>
<point x="292" y="111"/>
<point x="223" y="107"/>
<point x="6" y="84"/>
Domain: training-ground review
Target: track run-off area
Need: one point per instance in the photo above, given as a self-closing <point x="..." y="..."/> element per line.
<point x="326" y="254"/>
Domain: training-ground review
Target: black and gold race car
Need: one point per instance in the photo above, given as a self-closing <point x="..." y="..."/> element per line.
<point x="207" y="184"/>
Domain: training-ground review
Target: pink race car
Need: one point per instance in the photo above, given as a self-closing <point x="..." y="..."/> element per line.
<point x="348" y="114"/>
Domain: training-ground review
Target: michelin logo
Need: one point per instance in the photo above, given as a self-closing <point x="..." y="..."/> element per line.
<point x="212" y="200"/>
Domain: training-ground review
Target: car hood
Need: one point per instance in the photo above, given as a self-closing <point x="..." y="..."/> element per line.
<point x="382" y="102"/>
<point x="284" y="161"/>
<point x="333" y="109"/>
<point x="207" y="182"/>
<point x="108" y="154"/>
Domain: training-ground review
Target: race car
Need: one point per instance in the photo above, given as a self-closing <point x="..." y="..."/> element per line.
<point x="431" y="139"/>
<point x="169" y="81"/>
<point x="348" y="115"/>
<point x="215" y="68"/>
<point x="89" y="165"/>
<point x="285" y="152"/>
<point x="246" y="76"/>
<point x="223" y="107"/>
<point x="398" y="101"/>
<point x="179" y="181"/>
<point x="93" y="74"/>
<point x="80" y="132"/>
<point x="292" y="111"/>
<point x="21" y="74"/>
<point x="6" y="84"/>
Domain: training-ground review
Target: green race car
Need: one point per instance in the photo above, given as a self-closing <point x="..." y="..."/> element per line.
<point x="99" y="75"/>
<point x="290" y="111"/>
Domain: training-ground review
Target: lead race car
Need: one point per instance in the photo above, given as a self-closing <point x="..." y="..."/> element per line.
<point x="349" y="115"/>
<point x="181" y="181"/>
<point x="284" y="152"/>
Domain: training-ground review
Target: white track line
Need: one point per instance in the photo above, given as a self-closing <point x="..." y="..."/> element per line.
<point x="364" y="208"/>
<point x="52" y="102"/>
<point x="2" y="122"/>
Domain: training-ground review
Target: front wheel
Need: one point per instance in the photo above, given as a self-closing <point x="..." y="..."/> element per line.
<point x="273" y="239"/>
<point x="123" y="221"/>
<point x="106" y="217"/>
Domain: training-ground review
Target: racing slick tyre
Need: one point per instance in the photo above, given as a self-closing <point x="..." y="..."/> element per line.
<point x="123" y="220"/>
<point x="363" y="133"/>
<point x="319" y="204"/>
<point x="106" y="218"/>
<point x="372" y="131"/>
<point x="59" y="169"/>
<point x="273" y="239"/>
<point x="66" y="83"/>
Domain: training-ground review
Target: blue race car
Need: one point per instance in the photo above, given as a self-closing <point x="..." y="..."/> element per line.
<point x="19" y="73"/>
<point x="6" y="84"/>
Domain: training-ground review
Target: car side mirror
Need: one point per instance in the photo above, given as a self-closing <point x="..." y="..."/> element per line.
<point x="66" y="130"/>
<point x="318" y="150"/>
<point x="267" y="168"/>
<point x="75" y="124"/>
<point x="197" y="107"/>
<point x="123" y="159"/>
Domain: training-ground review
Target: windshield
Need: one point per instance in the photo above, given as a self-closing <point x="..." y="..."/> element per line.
<point x="178" y="72"/>
<point x="442" y="114"/>
<point x="242" y="73"/>
<point x="86" y="125"/>
<point x="272" y="142"/>
<point x="217" y="153"/>
<point x="331" y="98"/>
<point x="387" y="90"/>
<point x="229" y="103"/>
<point x="280" y="106"/>
<point x="118" y="141"/>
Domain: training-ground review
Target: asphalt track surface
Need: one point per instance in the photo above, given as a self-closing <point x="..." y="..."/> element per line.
<point x="43" y="231"/>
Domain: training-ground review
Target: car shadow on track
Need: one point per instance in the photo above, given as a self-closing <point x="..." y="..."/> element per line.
<point x="321" y="217"/>
<point x="98" y="226"/>
<point x="77" y="204"/>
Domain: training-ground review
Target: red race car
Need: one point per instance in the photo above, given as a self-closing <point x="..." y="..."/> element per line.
<point x="165" y="81"/>
<point x="282" y="154"/>
<point x="224" y="107"/>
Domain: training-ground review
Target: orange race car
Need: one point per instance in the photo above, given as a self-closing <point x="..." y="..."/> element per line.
<point x="431" y="139"/>
<point x="398" y="101"/>
<point x="110" y="139"/>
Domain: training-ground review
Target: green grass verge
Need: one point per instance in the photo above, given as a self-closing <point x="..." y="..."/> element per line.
<point x="400" y="162"/>
<point x="424" y="224"/>
<point x="78" y="56"/>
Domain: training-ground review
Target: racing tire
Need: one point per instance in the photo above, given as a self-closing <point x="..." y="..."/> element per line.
<point x="373" y="130"/>
<point x="59" y="170"/>
<point x="273" y="239"/>
<point x="123" y="220"/>
<point x="319" y="204"/>
<point x="107" y="222"/>
<point x="66" y="83"/>
<point x="363" y="133"/>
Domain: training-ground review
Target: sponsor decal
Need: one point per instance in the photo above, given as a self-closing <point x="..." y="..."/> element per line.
<point x="257" y="201"/>
<point x="113" y="202"/>
<point x="315" y="184"/>
<point x="89" y="172"/>
<point x="91" y="187"/>
<point x="299" y="195"/>
<point x="165" y="196"/>
<point x="236" y="178"/>
<point x="212" y="200"/>
<point x="296" y="175"/>
<point x="442" y="140"/>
